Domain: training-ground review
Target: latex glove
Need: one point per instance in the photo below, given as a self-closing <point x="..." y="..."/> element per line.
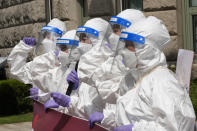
<point x="108" y="45"/>
<point x="29" y="41"/>
<point x="34" y="93"/>
<point x="124" y="128"/>
<point x="95" y="117"/>
<point x="61" y="99"/>
<point x="50" y="104"/>
<point x="56" y="52"/>
<point x="73" y="77"/>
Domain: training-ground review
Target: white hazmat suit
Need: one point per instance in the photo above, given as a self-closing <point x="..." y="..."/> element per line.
<point x="111" y="77"/>
<point x="124" y="19"/>
<point x="158" y="101"/>
<point x="87" y="101"/>
<point x="44" y="72"/>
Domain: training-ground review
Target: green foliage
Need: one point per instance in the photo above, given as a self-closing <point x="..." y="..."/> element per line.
<point x="172" y="67"/>
<point x="193" y="94"/>
<point x="12" y="97"/>
<point x="16" y="118"/>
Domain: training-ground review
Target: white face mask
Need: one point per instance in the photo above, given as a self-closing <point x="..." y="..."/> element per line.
<point x="63" y="58"/>
<point x="48" y="45"/>
<point x="145" y="55"/>
<point x="129" y="58"/>
<point x="74" y="54"/>
<point x="83" y="47"/>
<point x="114" y="42"/>
<point x="148" y="58"/>
<point x="94" y="41"/>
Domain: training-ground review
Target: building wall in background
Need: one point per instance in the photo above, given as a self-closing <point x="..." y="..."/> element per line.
<point x="24" y="18"/>
<point x="166" y="11"/>
<point x="19" y="18"/>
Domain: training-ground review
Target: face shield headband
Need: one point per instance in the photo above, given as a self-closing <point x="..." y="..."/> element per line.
<point x="67" y="42"/>
<point x="52" y="29"/>
<point x="120" y="21"/>
<point x="87" y="30"/>
<point x="132" y="37"/>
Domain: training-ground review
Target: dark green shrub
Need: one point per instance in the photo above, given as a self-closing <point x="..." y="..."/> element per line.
<point x="172" y="67"/>
<point x="193" y="94"/>
<point x="12" y="97"/>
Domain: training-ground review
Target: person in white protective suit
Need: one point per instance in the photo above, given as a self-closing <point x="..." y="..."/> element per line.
<point x="112" y="79"/>
<point x="120" y="22"/>
<point x="67" y="54"/>
<point x="158" y="101"/>
<point x="116" y="70"/>
<point x="85" y="100"/>
<point x="100" y="53"/>
<point x="48" y="35"/>
<point x="113" y="82"/>
<point x="85" y="105"/>
<point x="33" y="71"/>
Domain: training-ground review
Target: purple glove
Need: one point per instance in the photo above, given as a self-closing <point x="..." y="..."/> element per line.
<point x="50" y="104"/>
<point x="34" y="93"/>
<point x="29" y="41"/>
<point x="123" y="62"/>
<point x="62" y="100"/>
<point x="72" y="77"/>
<point x="124" y="128"/>
<point x="108" y="45"/>
<point x="95" y="117"/>
<point x="56" y="52"/>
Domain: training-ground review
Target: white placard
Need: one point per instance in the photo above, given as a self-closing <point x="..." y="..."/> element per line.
<point x="184" y="67"/>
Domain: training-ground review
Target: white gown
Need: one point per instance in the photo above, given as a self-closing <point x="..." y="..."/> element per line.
<point x="42" y="72"/>
<point x="158" y="102"/>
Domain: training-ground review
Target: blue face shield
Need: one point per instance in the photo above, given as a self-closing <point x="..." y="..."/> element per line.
<point x="120" y="21"/>
<point x="132" y="37"/>
<point x="87" y="30"/>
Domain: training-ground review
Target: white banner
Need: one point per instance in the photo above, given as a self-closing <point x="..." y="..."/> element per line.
<point x="184" y="67"/>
